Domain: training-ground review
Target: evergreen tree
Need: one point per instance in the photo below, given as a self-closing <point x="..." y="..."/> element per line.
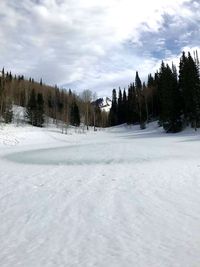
<point x="120" y="108"/>
<point x="146" y="102"/>
<point x="184" y="86"/>
<point x="195" y="90"/>
<point x="150" y="81"/>
<point x="151" y="101"/>
<point x="156" y="98"/>
<point x="39" y="110"/>
<point x="170" y="96"/>
<point x="35" y="109"/>
<point x="138" y="83"/>
<point x="124" y="106"/>
<point x="140" y="101"/>
<point x="161" y="80"/>
<point x="190" y="86"/>
<point x="74" y="114"/>
<point x="113" y="111"/>
<point x="130" y="105"/>
<point x="132" y="108"/>
<point x="31" y="109"/>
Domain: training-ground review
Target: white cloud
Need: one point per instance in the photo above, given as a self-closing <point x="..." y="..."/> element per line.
<point x="83" y="43"/>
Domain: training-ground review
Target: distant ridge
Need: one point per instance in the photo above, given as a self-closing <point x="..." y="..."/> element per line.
<point x="104" y="103"/>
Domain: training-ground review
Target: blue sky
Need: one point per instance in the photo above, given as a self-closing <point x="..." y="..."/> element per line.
<point x="95" y="44"/>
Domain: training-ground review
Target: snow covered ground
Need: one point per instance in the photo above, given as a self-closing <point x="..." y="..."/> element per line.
<point x="117" y="197"/>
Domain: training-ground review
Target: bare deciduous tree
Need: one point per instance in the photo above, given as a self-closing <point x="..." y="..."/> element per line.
<point x="86" y="97"/>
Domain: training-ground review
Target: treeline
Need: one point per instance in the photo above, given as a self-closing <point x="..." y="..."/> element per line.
<point x="43" y="102"/>
<point x="171" y="97"/>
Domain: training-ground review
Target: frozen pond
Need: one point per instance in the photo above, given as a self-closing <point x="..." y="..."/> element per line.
<point x="68" y="155"/>
<point x="75" y="155"/>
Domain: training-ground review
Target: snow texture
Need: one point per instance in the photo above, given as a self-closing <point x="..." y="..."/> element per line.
<point x="115" y="197"/>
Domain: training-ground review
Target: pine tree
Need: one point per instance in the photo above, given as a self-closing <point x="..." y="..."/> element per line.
<point x="156" y="98"/>
<point x="124" y="106"/>
<point x="132" y="107"/>
<point x="170" y="96"/>
<point x="31" y="109"/>
<point x="146" y="101"/>
<point x="39" y="110"/>
<point x="113" y="111"/>
<point x="120" y="108"/>
<point x="151" y="101"/>
<point x="176" y="113"/>
<point x="74" y="115"/>
<point x="140" y="101"/>
<point x="195" y="90"/>
<point x="190" y="86"/>
<point x="184" y="86"/>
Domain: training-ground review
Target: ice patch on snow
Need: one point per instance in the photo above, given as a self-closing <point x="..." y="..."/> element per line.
<point x="72" y="155"/>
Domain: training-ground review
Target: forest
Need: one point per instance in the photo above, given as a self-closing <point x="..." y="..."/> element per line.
<point x="43" y="102"/>
<point x="172" y="97"/>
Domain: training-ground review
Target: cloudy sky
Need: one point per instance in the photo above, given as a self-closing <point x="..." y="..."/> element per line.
<point x="94" y="44"/>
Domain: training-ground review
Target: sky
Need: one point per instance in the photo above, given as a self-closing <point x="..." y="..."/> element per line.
<point x="95" y="44"/>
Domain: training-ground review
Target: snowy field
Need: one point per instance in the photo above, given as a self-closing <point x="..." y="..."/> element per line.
<point x="114" y="198"/>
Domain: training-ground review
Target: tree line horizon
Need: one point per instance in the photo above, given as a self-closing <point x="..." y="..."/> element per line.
<point x="172" y="97"/>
